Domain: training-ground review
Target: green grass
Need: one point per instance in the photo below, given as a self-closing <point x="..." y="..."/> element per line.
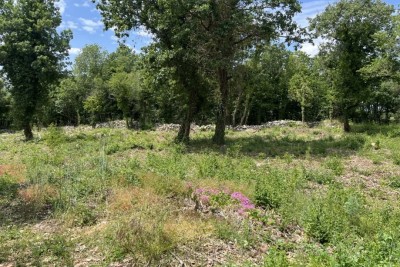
<point x="114" y="195"/>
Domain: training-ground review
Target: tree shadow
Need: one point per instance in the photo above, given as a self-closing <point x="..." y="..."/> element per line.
<point x="12" y="210"/>
<point x="256" y="146"/>
<point x="372" y="129"/>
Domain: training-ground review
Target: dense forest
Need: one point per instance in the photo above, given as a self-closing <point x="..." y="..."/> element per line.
<point x="227" y="62"/>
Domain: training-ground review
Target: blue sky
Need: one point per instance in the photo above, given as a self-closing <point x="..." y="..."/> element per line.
<point x="84" y="20"/>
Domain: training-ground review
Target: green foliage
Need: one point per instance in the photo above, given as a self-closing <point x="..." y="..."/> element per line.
<point x="329" y="216"/>
<point x="394" y="182"/>
<point x="55" y="136"/>
<point x="335" y="164"/>
<point x="276" y="258"/>
<point x="276" y="188"/>
<point x="350" y="27"/>
<point x="31" y="54"/>
<point x="240" y="233"/>
<point x="57" y="246"/>
<point x="319" y="176"/>
<point x="116" y="194"/>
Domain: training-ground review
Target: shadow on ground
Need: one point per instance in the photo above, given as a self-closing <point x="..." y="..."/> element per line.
<point x="274" y="147"/>
<point x="12" y="210"/>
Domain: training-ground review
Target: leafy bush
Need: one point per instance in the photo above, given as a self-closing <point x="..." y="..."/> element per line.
<point x="277" y="187"/>
<point x="319" y="176"/>
<point x="394" y="182"/>
<point x="335" y="164"/>
<point x="55" y="136"/>
<point x="333" y="214"/>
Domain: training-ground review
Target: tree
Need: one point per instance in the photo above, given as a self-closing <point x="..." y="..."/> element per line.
<point x="383" y="73"/>
<point x="172" y="26"/>
<point x="199" y="38"/>
<point x="349" y="27"/>
<point x="68" y="101"/>
<point x="5" y="104"/>
<point x="32" y="53"/>
<point x="91" y="75"/>
<point x="125" y="87"/>
<point x="300" y="84"/>
<point x="227" y="28"/>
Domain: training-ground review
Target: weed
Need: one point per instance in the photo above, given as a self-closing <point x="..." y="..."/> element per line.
<point x="394" y="182"/>
<point x="335" y="164"/>
<point x="319" y="176"/>
<point x="144" y="235"/>
<point x="276" y="258"/>
<point x="55" y="136"/>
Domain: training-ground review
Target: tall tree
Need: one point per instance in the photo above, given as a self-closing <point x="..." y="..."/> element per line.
<point x="91" y="80"/>
<point x="349" y="27"/>
<point x="227" y="28"/>
<point x="171" y="23"/>
<point x="31" y="53"/>
<point x="203" y="38"/>
<point x="5" y="104"/>
<point x="301" y="83"/>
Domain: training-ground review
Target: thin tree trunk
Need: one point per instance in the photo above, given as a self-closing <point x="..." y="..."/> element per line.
<point x="346" y="123"/>
<point x="303" y="114"/>
<point x="246" y="120"/>
<point x="219" y="135"/>
<point x="78" y="118"/>
<point x="184" y="130"/>
<point x="246" y="112"/>
<point x="238" y="101"/>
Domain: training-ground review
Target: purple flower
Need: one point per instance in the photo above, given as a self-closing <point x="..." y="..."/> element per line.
<point x="244" y="202"/>
<point x="204" y="199"/>
<point x="199" y="191"/>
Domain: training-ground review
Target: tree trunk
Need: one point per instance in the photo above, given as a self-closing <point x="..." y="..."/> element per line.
<point x="346" y="124"/>
<point x="237" y="105"/>
<point x="246" y="112"/>
<point x="303" y="120"/>
<point x="219" y="136"/>
<point x="28" y="132"/>
<point x="184" y="130"/>
<point x="78" y="118"/>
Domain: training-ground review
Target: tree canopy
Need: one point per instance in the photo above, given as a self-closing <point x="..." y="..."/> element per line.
<point x="31" y="54"/>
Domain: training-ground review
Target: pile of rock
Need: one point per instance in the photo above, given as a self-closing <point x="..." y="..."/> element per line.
<point x="120" y="124"/>
<point x="210" y="127"/>
<point x="167" y="127"/>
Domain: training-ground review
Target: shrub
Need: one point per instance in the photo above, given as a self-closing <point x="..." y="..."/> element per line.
<point x="335" y="164"/>
<point x="319" y="176"/>
<point x="55" y="136"/>
<point x="394" y="182"/>
<point x="277" y="187"/>
<point x="332" y="215"/>
<point x="276" y="258"/>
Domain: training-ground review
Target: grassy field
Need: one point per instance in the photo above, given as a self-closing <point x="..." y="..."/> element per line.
<point x="283" y="196"/>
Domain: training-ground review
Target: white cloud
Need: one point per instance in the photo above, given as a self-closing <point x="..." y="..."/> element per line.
<point x="74" y="51"/>
<point x="61" y="5"/>
<point x="69" y="25"/>
<point x="311" y="10"/>
<point x="312" y="49"/>
<point x="91" y="26"/>
<point x="84" y="4"/>
<point x="142" y="32"/>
